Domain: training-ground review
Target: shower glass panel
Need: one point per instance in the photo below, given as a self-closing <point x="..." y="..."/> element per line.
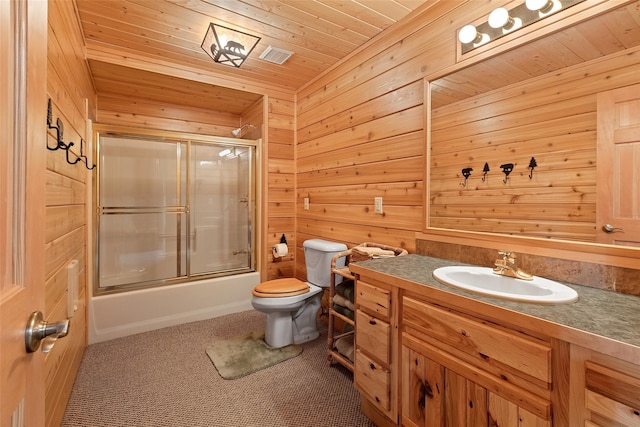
<point x="172" y="211"/>
<point x="220" y="208"/>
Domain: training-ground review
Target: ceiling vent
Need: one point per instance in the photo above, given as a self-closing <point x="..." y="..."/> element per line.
<point x="275" y="55"/>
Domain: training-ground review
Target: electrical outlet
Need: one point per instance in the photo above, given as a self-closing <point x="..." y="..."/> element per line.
<point x="377" y="203"/>
<point x="306" y="203"/>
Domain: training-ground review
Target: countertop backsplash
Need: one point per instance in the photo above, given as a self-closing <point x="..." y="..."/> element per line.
<point x="618" y="279"/>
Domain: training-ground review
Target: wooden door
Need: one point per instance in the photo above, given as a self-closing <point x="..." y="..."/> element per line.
<point x="618" y="166"/>
<point x="23" y="56"/>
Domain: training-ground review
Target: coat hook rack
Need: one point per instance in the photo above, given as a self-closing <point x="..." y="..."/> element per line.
<point x="466" y="172"/>
<point x="507" y="168"/>
<point x="532" y="165"/>
<point x="485" y="170"/>
<point x="60" y="144"/>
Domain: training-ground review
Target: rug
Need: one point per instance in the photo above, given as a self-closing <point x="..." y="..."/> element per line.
<point x="245" y="354"/>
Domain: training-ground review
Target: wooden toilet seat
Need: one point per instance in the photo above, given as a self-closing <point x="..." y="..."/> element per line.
<point x="279" y="288"/>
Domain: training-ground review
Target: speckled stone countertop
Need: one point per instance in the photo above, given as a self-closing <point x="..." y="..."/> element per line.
<point x="607" y="314"/>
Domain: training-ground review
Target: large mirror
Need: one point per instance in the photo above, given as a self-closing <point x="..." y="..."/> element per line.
<point x="514" y="139"/>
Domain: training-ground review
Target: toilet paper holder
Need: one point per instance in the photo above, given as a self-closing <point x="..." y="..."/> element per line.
<point x="280" y="250"/>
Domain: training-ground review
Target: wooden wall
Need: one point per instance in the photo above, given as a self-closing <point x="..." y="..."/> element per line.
<point x="360" y="135"/>
<point x="69" y="86"/>
<point x="142" y="113"/>
<point x="279" y="187"/>
<point x="360" y="129"/>
<point x="553" y="119"/>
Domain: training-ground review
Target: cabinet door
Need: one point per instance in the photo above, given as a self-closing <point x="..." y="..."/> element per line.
<point x="611" y="396"/>
<point x="436" y="396"/>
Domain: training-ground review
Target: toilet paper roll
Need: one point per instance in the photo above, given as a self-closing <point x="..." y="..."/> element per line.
<point x="280" y="250"/>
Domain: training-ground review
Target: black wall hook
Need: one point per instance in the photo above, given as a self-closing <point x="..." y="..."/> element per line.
<point x="60" y="144"/>
<point x="466" y="172"/>
<point x="485" y="170"/>
<point x="283" y="239"/>
<point x="507" y="168"/>
<point x="532" y="165"/>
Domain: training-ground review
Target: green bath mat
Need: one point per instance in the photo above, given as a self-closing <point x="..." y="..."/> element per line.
<point x="243" y="355"/>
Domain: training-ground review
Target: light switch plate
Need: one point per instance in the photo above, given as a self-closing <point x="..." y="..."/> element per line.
<point x="377" y="203"/>
<point x="306" y="203"/>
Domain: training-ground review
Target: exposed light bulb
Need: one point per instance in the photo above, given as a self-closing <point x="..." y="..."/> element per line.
<point x="544" y="7"/>
<point x="469" y="34"/>
<point x="500" y="18"/>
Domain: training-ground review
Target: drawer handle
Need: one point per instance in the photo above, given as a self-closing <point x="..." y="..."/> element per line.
<point x="372" y="366"/>
<point x="372" y="321"/>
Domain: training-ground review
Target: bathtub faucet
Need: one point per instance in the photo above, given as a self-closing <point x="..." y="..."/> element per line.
<point x="506" y="266"/>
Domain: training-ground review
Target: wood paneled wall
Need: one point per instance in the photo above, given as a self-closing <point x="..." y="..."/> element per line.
<point x="360" y="135"/>
<point x="69" y="86"/>
<point x="553" y="119"/>
<point x="360" y="129"/>
<point x="141" y="113"/>
<point x="279" y="188"/>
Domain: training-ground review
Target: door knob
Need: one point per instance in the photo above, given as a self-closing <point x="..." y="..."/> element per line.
<point x="38" y="329"/>
<point x="608" y="228"/>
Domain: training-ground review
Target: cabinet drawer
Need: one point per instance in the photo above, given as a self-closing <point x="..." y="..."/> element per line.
<point x="612" y="394"/>
<point x="374" y="299"/>
<point x="486" y="343"/>
<point x="372" y="379"/>
<point x="372" y="336"/>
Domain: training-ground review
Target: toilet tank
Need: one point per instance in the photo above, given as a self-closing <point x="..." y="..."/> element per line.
<point x="317" y="259"/>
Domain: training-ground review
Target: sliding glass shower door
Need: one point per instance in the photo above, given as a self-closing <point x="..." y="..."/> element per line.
<point x="173" y="211"/>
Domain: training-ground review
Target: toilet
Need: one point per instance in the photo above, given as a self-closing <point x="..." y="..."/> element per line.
<point x="292" y="305"/>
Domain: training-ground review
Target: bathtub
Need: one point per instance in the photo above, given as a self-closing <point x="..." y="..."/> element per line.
<point x="127" y="313"/>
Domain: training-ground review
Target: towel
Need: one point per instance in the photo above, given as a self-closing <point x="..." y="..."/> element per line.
<point x="340" y="300"/>
<point x="345" y="289"/>
<point x="344" y="311"/>
<point x="374" y="252"/>
<point x="345" y="347"/>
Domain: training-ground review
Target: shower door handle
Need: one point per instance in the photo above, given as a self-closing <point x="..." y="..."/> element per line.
<point x="38" y="329"/>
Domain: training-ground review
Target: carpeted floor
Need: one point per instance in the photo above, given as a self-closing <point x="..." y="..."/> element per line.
<point x="164" y="378"/>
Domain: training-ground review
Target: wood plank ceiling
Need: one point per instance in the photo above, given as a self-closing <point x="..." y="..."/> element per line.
<point x="319" y="32"/>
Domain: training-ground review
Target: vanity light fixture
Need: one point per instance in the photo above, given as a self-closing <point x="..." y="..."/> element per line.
<point x="228" y="46"/>
<point x="502" y="21"/>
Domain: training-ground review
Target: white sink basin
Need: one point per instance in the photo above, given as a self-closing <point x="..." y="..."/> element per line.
<point x="482" y="280"/>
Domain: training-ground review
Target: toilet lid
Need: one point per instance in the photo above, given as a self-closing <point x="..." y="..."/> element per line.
<point x="278" y="288"/>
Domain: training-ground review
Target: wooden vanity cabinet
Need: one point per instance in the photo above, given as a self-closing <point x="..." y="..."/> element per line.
<point x="376" y="330"/>
<point x="460" y="370"/>
<point x="605" y="390"/>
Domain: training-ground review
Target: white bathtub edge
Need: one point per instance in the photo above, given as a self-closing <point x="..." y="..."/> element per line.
<point x="119" y="315"/>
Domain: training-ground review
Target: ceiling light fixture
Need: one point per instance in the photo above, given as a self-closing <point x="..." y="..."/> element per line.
<point x="502" y="21"/>
<point x="227" y="46"/>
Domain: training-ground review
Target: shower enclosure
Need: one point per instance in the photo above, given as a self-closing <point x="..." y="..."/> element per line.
<point x="171" y="211"/>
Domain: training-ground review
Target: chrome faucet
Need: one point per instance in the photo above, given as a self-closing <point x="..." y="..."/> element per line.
<point x="506" y="266"/>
